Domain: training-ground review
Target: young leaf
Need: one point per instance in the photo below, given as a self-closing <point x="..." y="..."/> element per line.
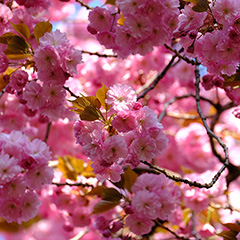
<point x="104" y="206"/>
<point x="228" y="235"/>
<point x="89" y="114"/>
<point x="6" y="37"/>
<point x="17" y="48"/>
<point x="41" y="28"/>
<point x="97" y="191"/>
<point x="129" y="179"/>
<point x="101" y="95"/>
<point x="107" y="194"/>
<point x="232" y="81"/>
<point x="22" y="29"/>
<point x="201" y="6"/>
<point x="111" y="2"/>
<point x="232" y="226"/>
<point x="94" y="101"/>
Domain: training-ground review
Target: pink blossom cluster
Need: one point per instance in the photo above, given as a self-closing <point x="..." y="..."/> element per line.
<point x="135" y="135"/>
<point x="35" y="5"/>
<point x="146" y="24"/>
<point x="154" y="197"/>
<point x="56" y="60"/>
<point x="23" y="170"/>
<point x="212" y="36"/>
<point x="199" y="199"/>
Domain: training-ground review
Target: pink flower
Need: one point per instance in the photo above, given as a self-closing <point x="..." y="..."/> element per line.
<point x="146" y="118"/>
<point x="70" y="59"/>
<point x="8" y="168"/>
<point x="114" y="148"/>
<point x="139" y="26"/>
<point x="33" y="94"/>
<point x="39" y="151"/>
<point x="10" y="210"/>
<point x="18" y="80"/>
<point x="46" y="58"/>
<point x="107" y="39"/>
<point x="30" y="204"/>
<point x="131" y="6"/>
<point x="56" y="39"/>
<point x="121" y="97"/>
<point x="146" y="204"/>
<point x="3" y="60"/>
<point x="100" y="19"/>
<point x="144" y="148"/>
<point x="80" y="217"/>
<point x="124" y="121"/>
<point x="146" y="181"/>
<point x="225" y="10"/>
<point x="5" y="14"/>
<point x="54" y="94"/>
<point x="137" y="225"/>
<point x="37" y="177"/>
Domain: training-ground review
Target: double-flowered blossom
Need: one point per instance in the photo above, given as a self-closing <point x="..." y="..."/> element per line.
<point x="56" y="59"/>
<point x="146" y="24"/>
<point x="154" y="197"/>
<point x="137" y="135"/>
<point x="23" y="170"/>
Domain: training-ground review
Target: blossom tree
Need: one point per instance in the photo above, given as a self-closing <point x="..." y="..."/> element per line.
<point x="119" y="119"/>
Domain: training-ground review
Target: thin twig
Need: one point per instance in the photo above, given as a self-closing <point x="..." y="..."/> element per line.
<point x="174" y="99"/>
<point x="47" y="132"/>
<point x="184" y="180"/>
<point x="100" y="54"/>
<point x="170" y="231"/>
<point x="209" y="131"/>
<point x="83" y="4"/>
<point x="73" y="184"/>
<point x="155" y="81"/>
<point x="193" y="62"/>
<point x="71" y="93"/>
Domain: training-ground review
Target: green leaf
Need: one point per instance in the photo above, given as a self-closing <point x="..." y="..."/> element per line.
<point x="41" y="28"/>
<point x="129" y="179"/>
<point x="6" y="37"/>
<point x="111" y="2"/>
<point x="94" y="101"/>
<point x="97" y="191"/>
<point x="17" y="48"/>
<point x="107" y="194"/>
<point x="201" y="6"/>
<point x="228" y="235"/>
<point x="101" y="95"/>
<point x="232" y="81"/>
<point x="89" y="114"/>
<point x="104" y="206"/>
<point x="22" y="29"/>
<point x="232" y="226"/>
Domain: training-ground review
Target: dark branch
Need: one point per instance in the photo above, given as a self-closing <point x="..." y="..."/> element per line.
<point x="99" y="54"/>
<point x="47" y="131"/>
<point x="71" y="93"/>
<point x="193" y="62"/>
<point x="156" y="79"/>
<point x="73" y="184"/>
<point x="83" y="4"/>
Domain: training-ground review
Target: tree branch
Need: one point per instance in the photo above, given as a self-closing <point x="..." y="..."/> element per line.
<point x="47" y="132"/>
<point x="152" y="84"/>
<point x="73" y="184"/>
<point x="99" y="54"/>
<point x="193" y="62"/>
<point x="83" y="4"/>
